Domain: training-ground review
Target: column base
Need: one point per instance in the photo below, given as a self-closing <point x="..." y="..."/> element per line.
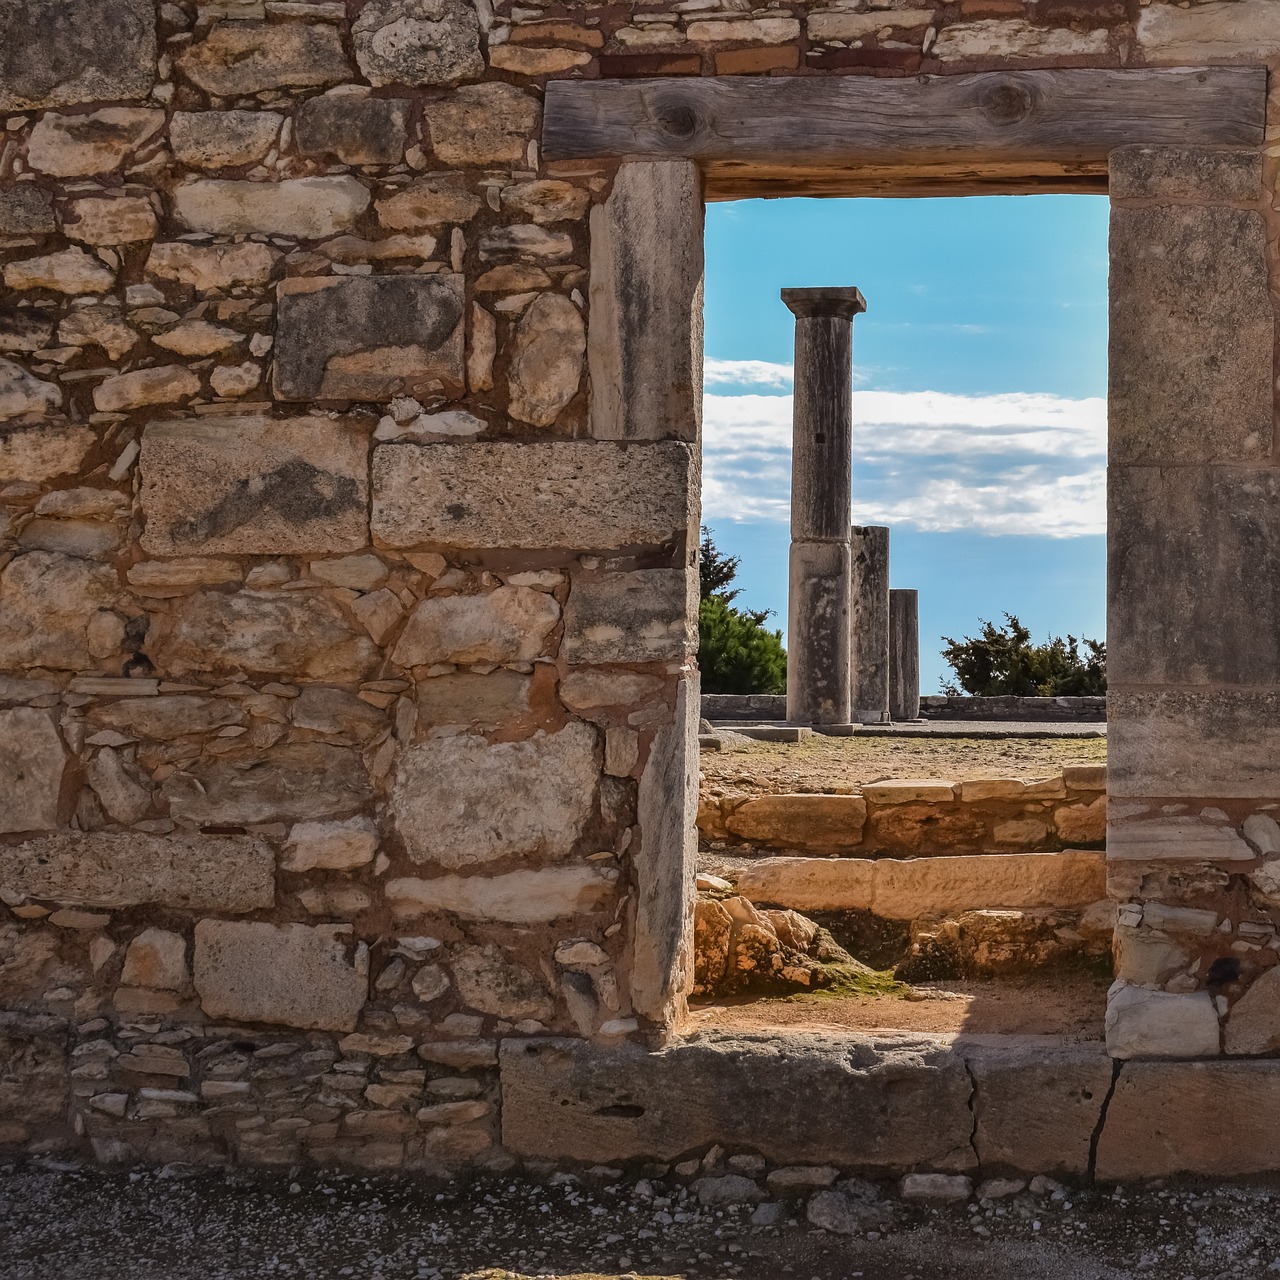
<point x="870" y="717"/>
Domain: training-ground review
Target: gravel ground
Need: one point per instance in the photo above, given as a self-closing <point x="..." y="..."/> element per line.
<point x="74" y="1223"/>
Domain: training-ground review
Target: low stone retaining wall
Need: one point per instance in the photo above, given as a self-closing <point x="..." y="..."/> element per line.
<point x="918" y="816"/>
<point x="939" y="706"/>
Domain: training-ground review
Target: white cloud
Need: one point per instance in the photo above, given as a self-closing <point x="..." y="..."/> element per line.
<point x="745" y="373"/>
<point x="1003" y="464"/>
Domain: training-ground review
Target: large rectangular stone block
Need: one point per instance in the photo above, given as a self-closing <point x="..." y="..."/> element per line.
<point x="515" y="897"/>
<point x="293" y="486"/>
<point x="126" y="869"/>
<point x="573" y="494"/>
<point x="646" y="615"/>
<point x="57" y="52"/>
<point x="369" y="337"/>
<point x="32" y="763"/>
<point x="1191" y="336"/>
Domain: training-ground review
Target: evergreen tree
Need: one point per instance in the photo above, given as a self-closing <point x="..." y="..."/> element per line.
<point x="1002" y="660"/>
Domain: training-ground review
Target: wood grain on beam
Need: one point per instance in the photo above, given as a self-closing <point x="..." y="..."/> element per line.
<point x="1051" y="129"/>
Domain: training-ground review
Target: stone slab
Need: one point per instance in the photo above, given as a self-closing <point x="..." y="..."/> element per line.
<point x="580" y="495"/>
<point x="254" y="486"/>
<point x="126" y="869"/>
<point x="32" y="764"/>
<point x="238" y="58"/>
<point x="1184" y="173"/>
<point x="356" y="130"/>
<point x="514" y="897"/>
<point x="820" y="822"/>
<point x="645" y="615"/>
<point x="888" y="1104"/>
<point x="308" y="208"/>
<point x="1142" y="1023"/>
<point x="1188" y="838"/>
<point x="369" y="337"/>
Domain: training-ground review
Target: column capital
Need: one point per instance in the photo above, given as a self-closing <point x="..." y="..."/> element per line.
<point x="834" y="301"/>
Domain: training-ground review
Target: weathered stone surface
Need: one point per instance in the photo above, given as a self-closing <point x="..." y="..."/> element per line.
<point x="336" y="713"/>
<point x="1170" y="34"/>
<point x="1082" y="823"/>
<point x="483" y="351"/>
<point x="236" y="379"/>
<point x="356" y="130"/>
<point x="124" y="220"/>
<point x="99" y="327"/>
<point x="32" y="763"/>
<point x="1147" y="957"/>
<point x="198" y="338"/>
<point x="295" y="782"/>
<point x="646" y="286"/>
<point x="554" y="494"/>
<point x="548" y="200"/>
<point x="46" y="603"/>
<point x="330" y="846"/>
<point x="157" y="959"/>
<point x="488" y="981"/>
<point x="306" y="208"/>
<point x="523" y="61"/>
<point x="163" y="384"/>
<point x="23" y="395"/>
<point x="122" y="795"/>
<point x="526" y="243"/>
<point x="467" y="698"/>
<point x="293" y="975"/>
<point x="26" y="210"/>
<point x="515" y="897"/>
<point x="1184" y="173"/>
<point x="40" y="452"/>
<point x="910" y="888"/>
<point x="71" y="271"/>
<point x="1211" y="1118"/>
<point x="271" y="632"/>
<point x="237" y="58"/>
<point x="645" y="615"/>
<point x="1160" y="839"/>
<point x="1253" y="1025"/>
<point x="1142" y="1023"/>
<point x="25" y="328"/>
<point x="125" y="869"/>
<point x="212" y="266"/>
<point x="427" y="202"/>
<point x="254" y="485"/>
<point x="510" y="624"/>
<point x="587" y="690"/>
<point x="57" y="52"/>
<point x="369" y="337"/>
<point x="1037" y="1109"/>
<point x="35" y="1081"/>
<point x="91" y="539"/>
<point x="801" y="821"/>
<point x="223" y="139"/>
<point x="78" y="146"/>
<point x="1190" y="335"/>
<point x="165" y="578"/>
<point x="482" y="124"/>
<point x="546" y="361"/>
<point x="997" y="39"/>
<point x="462" y="801"/>
<point x="166" y="717"/>
<point x="889" y="1103"/>
<point x="418" y="42"/>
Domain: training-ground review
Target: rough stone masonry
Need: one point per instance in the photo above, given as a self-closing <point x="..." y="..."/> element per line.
<point x="348" y="493"/>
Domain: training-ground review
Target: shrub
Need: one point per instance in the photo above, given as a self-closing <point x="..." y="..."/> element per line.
<point x="1002" y="660"/>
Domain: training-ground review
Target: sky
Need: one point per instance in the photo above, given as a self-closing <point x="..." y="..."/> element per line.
<point x="980" y="372"/>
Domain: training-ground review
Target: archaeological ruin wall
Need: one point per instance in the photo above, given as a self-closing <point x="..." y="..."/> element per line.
<point x="350" y="365"/>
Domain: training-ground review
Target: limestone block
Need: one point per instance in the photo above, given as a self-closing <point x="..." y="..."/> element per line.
<point x="551" y="201"/>
<point x="588" y="690"/>
<point x="235" y="380"/>
<point x="90" y="539"/>
<point x="356" y="130"/>
<point x="123" y="797"/>
<point x="1147" y="957"/>
<point x="166" y="578"/>
<point x="212" y="266"/>
<point x="418" y="42"/>
<point x="811" y="884"/>
<point x="57" y="52"/>
<point x="483" y="350"/>
<point x="1253" y="1025"/>
<point x="488" y="981"/>
<point x="46" y="603"/>
<point x="163" y="384"/>
<point x="510" y="624"/>
<point x="889" y="1104"/>
<point x="646" y="291"/>
<point x="369" y="337"/>
<point x="99" y="327"/>
<point x="1209" y="1118"/>
<point x="527" y="244"/>
<point x="305" y="208"/>
<point x="515" y="897"/>
<point x="32" y="764"/>
<point x="1172" y="35"/>
<point x="25" y="328"/>
<point x="979" y="789"/>
<point x="1082" y="823"/>
<point x="536" y="62"/>
<point x="198" y="338"/>
<point x="295" y="782"/>
<point x="124" y="220"/>
<point x="427" y="203"/>
<point x="462" y="801"/>
<point x="249" y="485"/>
<point x="26" y="210"/>
<point x="23" y="395"/>
<point x="1164" y="839"/>
<point x="293" y="975"/>
<point x="166" y="717"/>
<point x="546" y="360"/>
<point x="1191" y="336"/>
<point x="72" y="271"/>
<point x="910" y="791"/>
<point x="336" y="713"/>
<point x="995" y="39"/>
<point x="1142" y="1023"/>
<point x="330" y="846"/>
<point x="555" y="494"/>
<point x="1184" y="173"/>
<point x="34" y="1072"/>
<point x="482" y="124"/>
<point x="467" y="698"/>
<point x="824" y="823"/>
<point x="156" y="959"/>
<point x="125" y="869"/>
<point x="79" y="146"/>
<point x="854" y="26"/>
<point x="41" y="451"/>
<point x="223" y="139"/>
<point x="645" y="615"/>
<point x="239" y="58"/>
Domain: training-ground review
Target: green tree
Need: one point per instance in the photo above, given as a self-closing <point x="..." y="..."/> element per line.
<point x="737" y="653"/>
<point x="1002" y="660"/>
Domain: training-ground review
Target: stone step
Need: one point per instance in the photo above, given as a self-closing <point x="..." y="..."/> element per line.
<point x="909" y="888"/>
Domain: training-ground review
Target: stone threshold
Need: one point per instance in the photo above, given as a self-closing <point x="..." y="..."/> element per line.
<point x="892" y="1103"/>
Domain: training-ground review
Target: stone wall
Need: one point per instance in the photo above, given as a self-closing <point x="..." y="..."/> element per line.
<point x="937" y="706"/>
<point x="349" y="477"/>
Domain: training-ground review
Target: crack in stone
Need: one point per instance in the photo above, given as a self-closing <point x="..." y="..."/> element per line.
<point x="1117" y="1065"/>
<point x="973" y="1110"/>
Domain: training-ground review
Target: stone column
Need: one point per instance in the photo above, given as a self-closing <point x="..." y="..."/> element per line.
<point x="821" y="496"/>
<point x="904" y="655"/>
<point x="869" y="656"/>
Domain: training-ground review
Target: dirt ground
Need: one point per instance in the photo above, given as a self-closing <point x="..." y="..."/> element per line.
<point x="836" y="764"/>
<point x="68" y="1223"/>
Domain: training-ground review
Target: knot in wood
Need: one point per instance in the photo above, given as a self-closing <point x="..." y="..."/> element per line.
<point x="677" y="118"/>
<point x="1007" y="102"/>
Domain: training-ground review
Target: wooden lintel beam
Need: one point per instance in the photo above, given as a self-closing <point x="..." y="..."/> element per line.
<point x="1069" y="118"/>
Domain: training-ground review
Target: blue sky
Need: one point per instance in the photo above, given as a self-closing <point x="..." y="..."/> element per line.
<point x="979" y="398"/>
